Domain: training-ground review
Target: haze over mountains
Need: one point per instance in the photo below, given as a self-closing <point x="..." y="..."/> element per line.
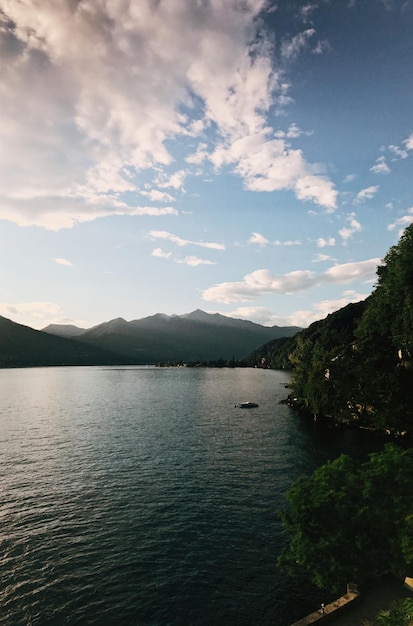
<point x="196" y="336"/>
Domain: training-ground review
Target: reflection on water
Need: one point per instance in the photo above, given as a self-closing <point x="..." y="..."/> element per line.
<point x="142" y="496"/>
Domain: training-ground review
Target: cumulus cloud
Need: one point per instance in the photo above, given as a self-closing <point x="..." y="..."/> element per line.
<point x="322" y="243"/>
<point x="263" y="282"/>
<point x="114" y="86"/>
<point x="324" y="308"/>
<point x="163" y="234"/>
<point x="258" y="239"/>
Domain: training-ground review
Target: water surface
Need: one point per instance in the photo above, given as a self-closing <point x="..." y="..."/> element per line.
<point x="142" y="496"/>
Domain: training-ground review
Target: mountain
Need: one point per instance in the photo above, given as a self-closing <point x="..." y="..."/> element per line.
<point x="21" y="346"/>
<point x="64" y="330"/>
<point x="196" y="336"/>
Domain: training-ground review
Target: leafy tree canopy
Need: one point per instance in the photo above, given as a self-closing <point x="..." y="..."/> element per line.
<point x="351" y="521"/>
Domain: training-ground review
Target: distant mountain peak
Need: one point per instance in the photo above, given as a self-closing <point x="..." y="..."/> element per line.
<point x="197" y="315"/>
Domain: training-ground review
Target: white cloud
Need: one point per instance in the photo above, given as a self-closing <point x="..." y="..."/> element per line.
<point x="262" y="282"/>
<point x="194" y="261"/>
<point x="353" y="227"/>
<point x="114" y="84"/>
<point x="402" y="222"/>
<point x="399" y="152"/>
<point x="259" y="283"/>
<point x="258" y="239"/>
<point x="291" y="48"/>
<point x="380" y="166"/>
<point x="321" y="258"/>
<point x="349" y="178"/>
<point x="61" y="261"/>
<point x="367" y="193"/>
<point x="158" y="196"/>
<point x="346" y="272"/>
<point x="163" y="234"/>
<point x="324" y="308"/>
<point x="158" y="252"/>
<point x="288" y="242"/>
<point x="322" y="243"/>
<point x="409" y="142"/>
<point x="174" y="181"/>
<point x="34" y="314"/>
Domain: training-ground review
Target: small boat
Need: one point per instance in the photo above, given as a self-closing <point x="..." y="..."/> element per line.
<point x="247" y="405"/>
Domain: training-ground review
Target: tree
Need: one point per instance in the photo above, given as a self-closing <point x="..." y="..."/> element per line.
<point x="400" y="613"/>
<point x="350" y="521"/>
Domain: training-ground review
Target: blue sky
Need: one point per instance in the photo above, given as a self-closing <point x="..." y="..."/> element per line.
<point x="245" y="157"/>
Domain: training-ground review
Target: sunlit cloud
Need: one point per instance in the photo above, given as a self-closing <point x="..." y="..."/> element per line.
<point x="115" y="88"/>
<point x="323" y="308"/>
<point x="263" y="282"/>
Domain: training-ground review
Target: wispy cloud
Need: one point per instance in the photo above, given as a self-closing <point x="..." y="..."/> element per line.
<point x="263" y="282"/>
<point x="61" y="261"/>
<point x="291" y="48"/>
<point x="158" y="196"/>
<point x="353" y="227"/>
<point x="287" y="242"/>
<point x="192" y="261"/>
<point x="402" y="222"/>
<point x="367" y="194"/>
<point x="380" y="167"/>
<point x="163" y="234"/>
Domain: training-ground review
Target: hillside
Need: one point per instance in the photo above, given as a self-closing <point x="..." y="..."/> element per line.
<point x="356" y="365"/>
<point x="190" y="337"/>
<point x="21" y="346"/>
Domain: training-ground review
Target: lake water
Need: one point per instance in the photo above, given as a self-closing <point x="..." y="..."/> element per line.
<point x="142" y="496"/>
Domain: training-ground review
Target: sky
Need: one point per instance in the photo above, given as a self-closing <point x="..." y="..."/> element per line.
<point x="246" y="157"/>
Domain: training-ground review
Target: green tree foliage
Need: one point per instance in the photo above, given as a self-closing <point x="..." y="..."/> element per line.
<point x="357" y="363"/>
<point x="400" y="613"/>
<point x="350" y="521"/>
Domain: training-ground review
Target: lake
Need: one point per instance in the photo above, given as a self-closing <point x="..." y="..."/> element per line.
<point x="142" y="496"/>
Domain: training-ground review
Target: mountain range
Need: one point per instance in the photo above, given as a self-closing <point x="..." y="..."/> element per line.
<point x="196" y="336"/>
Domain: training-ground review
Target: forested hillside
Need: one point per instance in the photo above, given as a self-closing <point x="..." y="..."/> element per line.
<point x="356" y="365"/>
